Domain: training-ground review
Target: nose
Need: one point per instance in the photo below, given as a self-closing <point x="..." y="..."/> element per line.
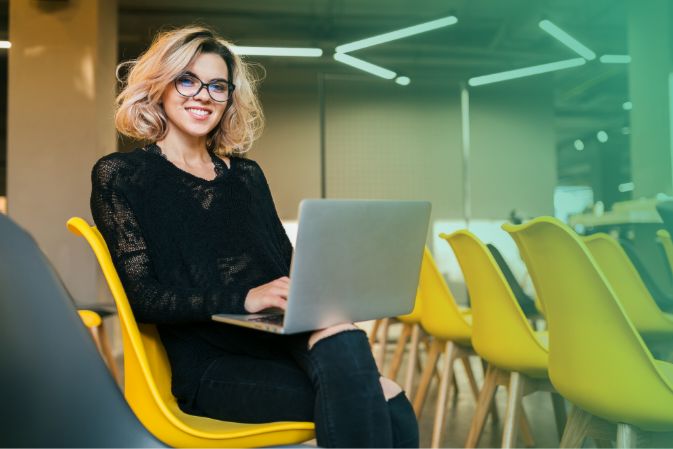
<point x="202" y="94"/>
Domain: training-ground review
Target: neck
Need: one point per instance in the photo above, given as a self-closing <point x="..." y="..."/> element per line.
<point x="184" y="148"/>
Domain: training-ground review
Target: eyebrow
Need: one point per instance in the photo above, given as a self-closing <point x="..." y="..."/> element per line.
<point x="214" y="79"/>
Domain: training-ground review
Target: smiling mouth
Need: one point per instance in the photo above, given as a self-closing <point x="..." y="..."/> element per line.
<point x="201" y="113"/>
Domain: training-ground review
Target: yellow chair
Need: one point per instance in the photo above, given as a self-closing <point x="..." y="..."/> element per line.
<point x="452" y="331"/>
<point x="653" y="324"/>
<point x="147" y="379"/>
<point x="597" y="358"/>
<point x="411" y="327"/>
<point x="94" y="324"/>
<point x="666" y="242"/>
<point x="517" y="355"/>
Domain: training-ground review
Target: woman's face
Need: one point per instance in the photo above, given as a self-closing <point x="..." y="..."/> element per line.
<point x="198" y="115"/>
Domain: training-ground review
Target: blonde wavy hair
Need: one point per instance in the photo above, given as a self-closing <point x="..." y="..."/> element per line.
<point x="139" y="112"/>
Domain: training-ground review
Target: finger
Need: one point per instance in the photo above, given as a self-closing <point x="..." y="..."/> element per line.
<point x="281" y="281"/>
<point x="280" y="291"/>
<point x="277" y="301"/>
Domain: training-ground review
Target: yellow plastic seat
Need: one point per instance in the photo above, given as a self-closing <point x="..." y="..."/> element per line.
<point x="147" y="379"/>
<point x="517" y="355"/>
<point x="653" y="324"/>
<point x="451" y="330"/>
<point x="411" y="327"/>
<point x="96" y="327"/>
<point x="666" y="242"/>
<point x="597" y="358"/>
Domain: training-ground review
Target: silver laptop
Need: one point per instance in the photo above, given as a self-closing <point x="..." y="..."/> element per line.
<point x="354" y="260"/>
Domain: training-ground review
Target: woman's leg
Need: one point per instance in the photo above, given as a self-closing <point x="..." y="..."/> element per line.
<point x="244" y="388"/>
<point x="351" y="396"/>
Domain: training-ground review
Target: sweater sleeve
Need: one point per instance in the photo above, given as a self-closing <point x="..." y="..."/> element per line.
<point x="151" y="301"/>
<point x="280" y="236"/>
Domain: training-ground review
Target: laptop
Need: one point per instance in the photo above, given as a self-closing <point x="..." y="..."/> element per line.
<point x="354" y="260"/>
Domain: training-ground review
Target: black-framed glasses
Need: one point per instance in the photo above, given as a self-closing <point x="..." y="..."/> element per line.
<point x="189" y="85"/>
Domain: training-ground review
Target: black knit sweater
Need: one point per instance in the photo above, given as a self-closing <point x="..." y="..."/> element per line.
<point x="186" y="248"/>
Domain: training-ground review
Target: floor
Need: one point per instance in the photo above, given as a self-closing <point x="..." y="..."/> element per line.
<point x="538" y="408"/>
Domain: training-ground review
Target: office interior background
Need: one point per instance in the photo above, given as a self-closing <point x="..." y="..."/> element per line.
<point x="580" y="133"/>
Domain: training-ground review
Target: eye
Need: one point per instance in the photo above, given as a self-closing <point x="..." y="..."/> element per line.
<point x="218" y="87"/>
<point x="186" y="81"/>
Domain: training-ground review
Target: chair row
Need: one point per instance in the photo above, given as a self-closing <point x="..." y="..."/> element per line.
<point x="604" y="327"/>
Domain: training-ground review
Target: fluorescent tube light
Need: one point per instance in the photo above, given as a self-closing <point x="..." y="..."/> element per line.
<point x="277" y="51"/>
<point x="5" y="44"/>
<point x="626" y="187"/>
<point x="365" y="66"/>
<point x="567" y="40"/>
<point x="403" y="80"/>
<point x="526" y="71"/>
<point x="399" y="34"/>
<point x="615" y="59"/>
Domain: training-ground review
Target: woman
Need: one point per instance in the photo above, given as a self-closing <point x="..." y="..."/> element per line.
<point x="193" y="231"/>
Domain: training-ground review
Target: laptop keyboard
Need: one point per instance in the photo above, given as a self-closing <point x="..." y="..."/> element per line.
<point x="271" y="319"/>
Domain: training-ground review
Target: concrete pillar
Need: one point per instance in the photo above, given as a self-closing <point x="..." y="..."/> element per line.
<point x="650" y="43"/>
<point x="60" y="110"/>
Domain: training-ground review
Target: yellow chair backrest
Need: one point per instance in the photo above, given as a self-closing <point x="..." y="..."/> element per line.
<point x="147" y="378"/>
<point x="666" y="242"/>
<point x="441" y="316"/>
<point x="500" y="331"/>
<point x="415" y="315"/>
<point x="634" y="296"/>
<point x="597" y="359"/>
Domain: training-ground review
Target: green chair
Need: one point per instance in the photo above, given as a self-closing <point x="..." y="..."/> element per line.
<point x="597" y="358"/>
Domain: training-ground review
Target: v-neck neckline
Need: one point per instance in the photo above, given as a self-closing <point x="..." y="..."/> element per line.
<point x="221" y="168"/>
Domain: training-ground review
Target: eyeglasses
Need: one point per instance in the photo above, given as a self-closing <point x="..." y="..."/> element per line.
<point x="189" y="85"/>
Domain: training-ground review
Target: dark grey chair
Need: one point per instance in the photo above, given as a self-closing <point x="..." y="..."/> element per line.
<point x="526" y="303"/>
<point x="55" y="390"/>
<point x="663" y="299"/>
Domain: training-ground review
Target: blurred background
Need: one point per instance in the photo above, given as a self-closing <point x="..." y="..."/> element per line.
<point x="576" y="123"/>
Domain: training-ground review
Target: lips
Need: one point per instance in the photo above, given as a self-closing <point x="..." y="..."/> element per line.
<point x="199" y="113"/>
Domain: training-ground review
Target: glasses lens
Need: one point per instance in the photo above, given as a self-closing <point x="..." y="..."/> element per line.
<point x="219" y="91"/>
<point x="187" y="85"/>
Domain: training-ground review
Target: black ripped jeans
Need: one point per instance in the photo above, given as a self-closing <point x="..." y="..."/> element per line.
<point x="335" y="384"/>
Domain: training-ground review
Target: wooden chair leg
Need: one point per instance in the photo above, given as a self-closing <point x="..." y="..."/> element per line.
<point x="107" y="353"/>
<point x="375" y="330"/>
<point x="381" y="353"/>
<point x="93" y="331"/>
<point x="413" y="354"/>
<point x="399" y="351"/>
<point x="447" y="377"/>
<point x="470" y="376"/>
<point x="512" y="412"/>
<point x="560" y="415"/>
<point x="435" y="349"/>
<point x="524" y="427"/>
<point x="576" y="428"/>
<point x="483" y="405"/>
<point x="627" y="436"/>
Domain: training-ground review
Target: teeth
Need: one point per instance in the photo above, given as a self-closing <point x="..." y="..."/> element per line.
<point x="200" y="112"/>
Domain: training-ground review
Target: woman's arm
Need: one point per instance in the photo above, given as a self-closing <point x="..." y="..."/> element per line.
<point x="151" y="301"/>
<point x="279" y="234"/>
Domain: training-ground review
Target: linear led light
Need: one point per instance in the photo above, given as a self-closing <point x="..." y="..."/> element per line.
<point x="365" y="66"/>
<point x="615" y="59"/>
<point x="5" y="44"/>
<point x="567" y="40"/>
<point x="526" y="71"/>
<point x="403" y="80"/>
<point x="278" y="51"/>
<point x="626" y="187"/>
<point x="398" y="34"/>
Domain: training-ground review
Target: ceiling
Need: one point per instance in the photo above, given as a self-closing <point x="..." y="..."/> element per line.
<point x="491" y="36"/>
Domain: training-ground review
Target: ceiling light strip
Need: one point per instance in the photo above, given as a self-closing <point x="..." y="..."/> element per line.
<point x="365" y="66"/>
<point x="5" y="44"/>
<point x="615" y="59"/>
<point x="567" y="40"/>
<point x="278" y="51"/>
<point x="398" y="34"/>
<point x="526" y="71"/>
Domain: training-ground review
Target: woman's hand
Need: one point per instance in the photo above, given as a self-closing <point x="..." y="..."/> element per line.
<point x="273" y="294"/>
